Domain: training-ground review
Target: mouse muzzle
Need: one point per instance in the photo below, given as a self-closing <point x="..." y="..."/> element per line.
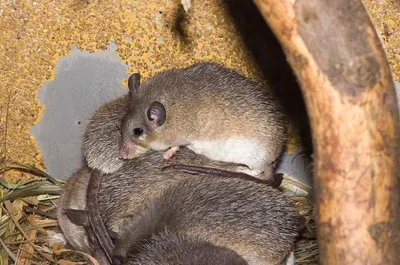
<point x="130" y="150"/>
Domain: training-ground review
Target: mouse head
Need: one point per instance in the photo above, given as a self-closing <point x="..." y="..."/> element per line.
<point x="140" y="122"/>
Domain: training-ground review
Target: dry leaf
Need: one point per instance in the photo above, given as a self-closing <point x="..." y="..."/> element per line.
<point x="33" y="200"/>
<point x="46" y="223"/>
<point x="3" y="224"/>
<point x="67" y="262"/>
<point x="3" y="257"/>
<point x="25" y="251"/>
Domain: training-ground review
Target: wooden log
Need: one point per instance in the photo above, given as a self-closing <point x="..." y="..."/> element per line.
<point x="342" y="69"/>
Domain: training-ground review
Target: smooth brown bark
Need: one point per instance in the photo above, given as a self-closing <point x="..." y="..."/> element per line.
<point x="341" y="66"/>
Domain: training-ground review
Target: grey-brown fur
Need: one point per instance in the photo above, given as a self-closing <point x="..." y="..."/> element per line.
<point x="73" y="197"/>
<point x="93" y="214"/>
<point x="209" y="103"/>
<point x="102" y="136"/>
<point x="167" y="248"/>
<point x="132" y="184"/>
<point x="142" y="178"/>
<point x="128" y="189"/>
<point x="100" y="148"/>
<point x="126" y="192"/>
<point x="214" y="172"/>
<point x="256" y="221"/>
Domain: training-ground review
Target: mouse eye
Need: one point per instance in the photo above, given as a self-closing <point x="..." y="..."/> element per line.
<point x="138" y="131"/>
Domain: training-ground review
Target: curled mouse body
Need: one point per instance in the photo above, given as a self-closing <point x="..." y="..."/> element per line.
<point x="257" y="222"/>
<point x="73" y="218"/>
<point x="188" y="250"/>
<point x="102" y="139"/>
<point x="212" y="110"/>
<point x="73" y="196"/>
<point x="127" y="191"/>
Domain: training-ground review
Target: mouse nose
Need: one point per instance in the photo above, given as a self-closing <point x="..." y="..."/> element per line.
<point x="123" y="153"/>
<point x="126" y="150"/>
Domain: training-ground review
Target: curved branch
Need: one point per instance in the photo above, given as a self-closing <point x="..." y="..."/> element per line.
<point x="341" y="66"/>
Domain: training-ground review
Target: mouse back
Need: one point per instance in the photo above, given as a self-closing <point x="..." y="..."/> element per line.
<point x="127" y="191"/>
<point x="258" y="222"/>
<point x="167" y="248"/>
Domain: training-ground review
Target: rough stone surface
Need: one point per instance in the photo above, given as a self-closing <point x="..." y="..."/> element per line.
<point x="386" y="16"/>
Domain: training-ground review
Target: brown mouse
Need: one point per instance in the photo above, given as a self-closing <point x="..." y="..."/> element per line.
<point x="212" y="110"/>
<point x="91" y="220"/>
<point x="103" y="136"/>
<point x="257" y="222"/>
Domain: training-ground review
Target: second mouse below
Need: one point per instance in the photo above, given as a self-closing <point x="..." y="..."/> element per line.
<point x="212" y="110"/>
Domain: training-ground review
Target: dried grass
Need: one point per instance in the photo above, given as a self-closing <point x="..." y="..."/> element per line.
<point x="28" y="224"/>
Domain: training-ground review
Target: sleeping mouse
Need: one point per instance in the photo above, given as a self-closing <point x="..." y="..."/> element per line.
<point x="212" y="110"/>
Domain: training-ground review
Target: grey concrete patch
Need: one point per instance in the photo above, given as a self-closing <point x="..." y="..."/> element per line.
<point x="297" y="167"/>
<point x="82" y="83"/>
<point x="397" y="87"/>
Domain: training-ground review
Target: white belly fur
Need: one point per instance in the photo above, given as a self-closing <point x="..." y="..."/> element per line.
<point x="235" y="150"/>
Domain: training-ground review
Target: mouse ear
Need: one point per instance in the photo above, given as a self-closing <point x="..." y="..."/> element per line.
<point x="156" y="114"/>
<point x="78" y="217"/>
<point x="113" y="235"/>
<point x="134" y="82"/>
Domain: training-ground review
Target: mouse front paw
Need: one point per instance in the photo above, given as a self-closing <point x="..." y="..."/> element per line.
<point x="170" y="152"/>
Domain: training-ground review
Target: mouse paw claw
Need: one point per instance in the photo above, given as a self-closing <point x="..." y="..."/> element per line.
<point x="248" y="171"/>
<point x="170" y="152"/>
